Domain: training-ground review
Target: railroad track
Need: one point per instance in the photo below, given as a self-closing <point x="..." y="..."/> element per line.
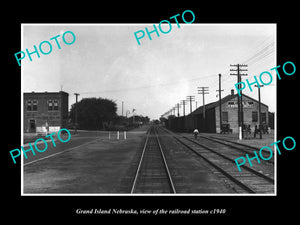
<point x="152" y="174"/>
<point x="248" y="180"/>
<point x="232" y="152"/>
<point x="239" y="146"/>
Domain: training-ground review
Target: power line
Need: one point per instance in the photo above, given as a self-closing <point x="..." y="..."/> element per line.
<point x="256" y="50"/>
<point x="269" y="46"/>
<point x="149" y="86"/>
<point x="261" y="55"/>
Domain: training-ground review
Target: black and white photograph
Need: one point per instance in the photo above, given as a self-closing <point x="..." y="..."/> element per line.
<point x="148" y="109"/>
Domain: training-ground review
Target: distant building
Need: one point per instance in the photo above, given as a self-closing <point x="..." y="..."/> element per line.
<point x="45" y="110"/>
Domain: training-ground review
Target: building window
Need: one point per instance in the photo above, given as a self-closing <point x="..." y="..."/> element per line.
<point x="32" y="105"/>
<point x="263" y="117"/>
<point x="55" y="104"/>
<point x="52" y="105"/>
<point x="254" y="116"/>
<point x="225" y="117"/>
<point x="28" y="105"/>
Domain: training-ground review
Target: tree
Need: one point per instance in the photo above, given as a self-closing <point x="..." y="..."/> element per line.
<point x="93" y="113"/>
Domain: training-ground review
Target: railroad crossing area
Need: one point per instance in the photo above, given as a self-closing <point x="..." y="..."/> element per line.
<point x="151" y="160"/>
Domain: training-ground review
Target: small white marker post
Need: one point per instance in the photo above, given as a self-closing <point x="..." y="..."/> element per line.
<point x="240" y="133"/>
<point x="124" y="135"/>
<point x="118" y="135"/>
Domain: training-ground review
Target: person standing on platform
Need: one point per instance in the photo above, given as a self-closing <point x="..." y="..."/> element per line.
<point x="255" y="131"/>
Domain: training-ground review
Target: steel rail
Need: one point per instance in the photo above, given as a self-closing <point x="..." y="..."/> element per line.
<point x="140" y="163"/>
<point x="233" y="179"/>
<point x="165" y="164"/>
<point x="170" y="180"/>
<point x="221" y="141"/>
<point x="231" y="160"/>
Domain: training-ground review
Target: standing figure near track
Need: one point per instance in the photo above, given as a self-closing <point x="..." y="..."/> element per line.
<point x="47" y="128"/>
<point x="195" y="132"/>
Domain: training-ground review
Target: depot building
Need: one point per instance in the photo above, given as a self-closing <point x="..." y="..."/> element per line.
<point x="229" y="109"/>
<point x="45" y="111"/>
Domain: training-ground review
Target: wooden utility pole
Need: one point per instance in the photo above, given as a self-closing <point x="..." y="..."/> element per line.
<point x="240" y="100"/>
<point x="177" y="105"/>
<point x="183" y="103"/>
<point x="203" y="91"/>
<point x="76" y="94"/>
<point x="190" y="98"/>
<point x="220" y="104"/>
<point x="259" y="111"/>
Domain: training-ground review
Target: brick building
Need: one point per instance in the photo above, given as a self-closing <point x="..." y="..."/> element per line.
<point x="44" y="110"/>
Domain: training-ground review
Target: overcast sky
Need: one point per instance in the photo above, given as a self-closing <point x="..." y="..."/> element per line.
<point x="106" y="61"/>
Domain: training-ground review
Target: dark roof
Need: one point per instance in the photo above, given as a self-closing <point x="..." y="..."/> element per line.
<point x="33" y="93"/>
<point x="223" y="100"/>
